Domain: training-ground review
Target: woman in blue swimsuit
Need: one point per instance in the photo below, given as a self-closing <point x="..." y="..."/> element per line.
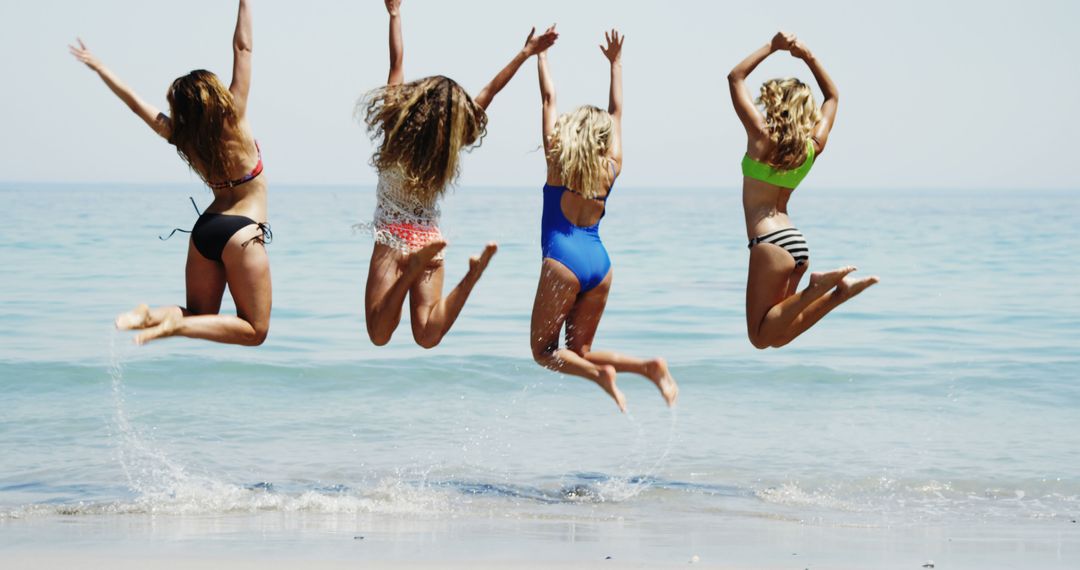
<point x="584" y="156"/>
<point x="208" y="126"/>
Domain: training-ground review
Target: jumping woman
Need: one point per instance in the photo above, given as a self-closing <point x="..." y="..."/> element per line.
<point x="584" y="156"/>
<point x="420" y="129"/>
<point x="207" y="124"/>
<point x="784" y="138"/>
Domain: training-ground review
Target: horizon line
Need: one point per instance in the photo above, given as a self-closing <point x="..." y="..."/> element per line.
<point x="371" y="185"/>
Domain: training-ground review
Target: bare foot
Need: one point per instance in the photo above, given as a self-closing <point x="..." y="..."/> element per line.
<point x="421" y="258"/>
<point x="848" y="288"/>
<point x="137" y="318"/>
<point x="167" y="327"/>
<point x="607" y="382"/>
<point x="829" y="279"/>
<point x="478" y="263"/>
<point x="657" y="371"/>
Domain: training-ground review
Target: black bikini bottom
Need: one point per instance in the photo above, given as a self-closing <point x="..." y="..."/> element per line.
<point x="212" y="231"/>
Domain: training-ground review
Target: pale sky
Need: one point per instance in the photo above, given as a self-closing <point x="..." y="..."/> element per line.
<point x="934" y="94"/>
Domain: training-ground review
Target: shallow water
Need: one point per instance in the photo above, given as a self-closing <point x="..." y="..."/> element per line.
<point x="946" y="395"/>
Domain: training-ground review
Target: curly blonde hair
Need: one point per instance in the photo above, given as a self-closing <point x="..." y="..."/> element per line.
<point x="421" y="128"/>
<point x="579" y="148"/>
<point x="790" y="116"/>
<point x="202" y="109"/>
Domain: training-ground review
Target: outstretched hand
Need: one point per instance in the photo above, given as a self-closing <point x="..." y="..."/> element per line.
<point x="613" y="51"/>
<point x="393" y="7"/>
<point x="783" y="41"/>
<point x="83" y="54"/>
<point x="535" y="44"/>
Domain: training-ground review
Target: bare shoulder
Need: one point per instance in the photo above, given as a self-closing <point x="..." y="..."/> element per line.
<point x="760" y="148"/>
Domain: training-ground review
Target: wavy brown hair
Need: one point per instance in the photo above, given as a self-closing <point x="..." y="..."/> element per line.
<point x="201" y="109"/>
<point x="790" y="116"/>
<point x="421" y="128"/>
<point x="579" y="148"/>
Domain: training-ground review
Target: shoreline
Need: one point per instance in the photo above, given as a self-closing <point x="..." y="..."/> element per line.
<point x="702" y="540"/>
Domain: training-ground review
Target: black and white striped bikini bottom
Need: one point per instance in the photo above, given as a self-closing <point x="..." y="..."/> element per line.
<point x="791" y="239"/>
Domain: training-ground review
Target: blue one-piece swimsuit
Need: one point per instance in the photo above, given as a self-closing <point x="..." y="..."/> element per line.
<point x="577" y="247"/>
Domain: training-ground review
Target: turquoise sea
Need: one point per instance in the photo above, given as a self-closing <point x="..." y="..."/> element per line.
<point x="941" y="404"/>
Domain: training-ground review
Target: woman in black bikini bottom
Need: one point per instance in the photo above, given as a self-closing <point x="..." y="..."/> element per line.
<point x="207" y="125"/>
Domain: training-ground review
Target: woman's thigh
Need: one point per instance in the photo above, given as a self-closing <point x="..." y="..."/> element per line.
<point x="205" y="282"/>
<point x="767" y="280"/>
<point x="247" y="270"/>
<point x="556" y="294"/>
<point x="384" y="270"/>
<point x="585" y="317"/>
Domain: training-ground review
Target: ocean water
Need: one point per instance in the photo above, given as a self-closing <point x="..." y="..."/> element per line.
<point x="946" y="397"/>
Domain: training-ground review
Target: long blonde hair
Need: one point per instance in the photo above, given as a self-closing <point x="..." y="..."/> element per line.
<point x="423" y="126"/>
<point x="790" y="116"/>
<point x="202" y="109"/>
<point x="579" y="148"/>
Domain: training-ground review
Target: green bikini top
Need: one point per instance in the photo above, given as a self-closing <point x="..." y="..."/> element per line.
<point x="783" y="178"/>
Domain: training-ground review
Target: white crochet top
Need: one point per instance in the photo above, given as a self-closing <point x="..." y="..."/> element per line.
<point x="397" y="208"/>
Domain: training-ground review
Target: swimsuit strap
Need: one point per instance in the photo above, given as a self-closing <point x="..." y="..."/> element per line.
<point x="604" y="198"/>
<point x="255" y="172"/>
<point x="197" y="213"/>
<point x="614" y="175"/>
<point x="266" y="237"/>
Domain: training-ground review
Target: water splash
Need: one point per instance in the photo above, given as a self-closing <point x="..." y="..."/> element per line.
<point x="148" y="470"/>
<point x="640" y="472"/>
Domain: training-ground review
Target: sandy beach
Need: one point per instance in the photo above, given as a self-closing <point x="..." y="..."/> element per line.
<point x="329" y="542"/>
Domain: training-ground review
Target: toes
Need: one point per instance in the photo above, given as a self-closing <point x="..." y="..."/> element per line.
<point x="842" y="272"/>
<point x="134" y="319"/>
<point x="149" y="335"/>
<point x="480" y="262"/>
<point x="607" y="382"/>
<point x="670" y="391"/>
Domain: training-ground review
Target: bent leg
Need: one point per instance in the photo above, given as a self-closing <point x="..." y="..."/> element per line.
<point x="796" y="278"/>
<point x="847" y="289"/>
<point x="246" y="268"/>
<point x="769" y="310"/>
<point x="581" y="325"/>
<point x="431" y="314"/>
<point x="205" y="285"/>
<point x="390" y="276"/>
<point x="556" y="296"/>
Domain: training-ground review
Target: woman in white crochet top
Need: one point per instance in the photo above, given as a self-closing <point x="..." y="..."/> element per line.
<point x="421" y="128"/>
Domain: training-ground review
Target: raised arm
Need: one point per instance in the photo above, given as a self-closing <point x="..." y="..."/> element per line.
<point x="158" y="121"/>
<point x="549" y="110"/>
<point x="534" y="44"/>
<point x="828" y="90"/>
<point x="613" y="52"/>
<point x="242" y="43"/>
<point x="397" y="44"/>
<point x="748" y="113"/>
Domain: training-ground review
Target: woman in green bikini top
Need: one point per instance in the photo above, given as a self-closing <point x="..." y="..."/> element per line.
<point x="769" y="174"/>
<point x="786" y="131"/>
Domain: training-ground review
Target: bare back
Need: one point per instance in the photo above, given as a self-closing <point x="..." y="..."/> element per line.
<point x="579" y="210"/>
<point x="247" y="199"/>
<point x="764" y="205"/>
